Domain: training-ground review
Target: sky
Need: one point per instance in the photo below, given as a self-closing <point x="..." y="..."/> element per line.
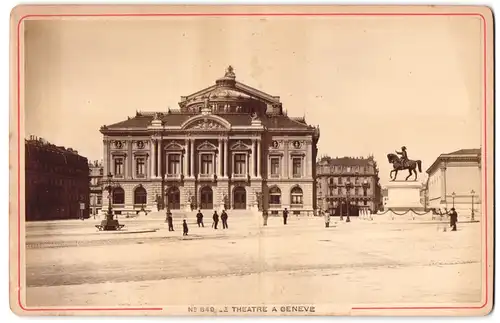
<point x="372" y="84"/>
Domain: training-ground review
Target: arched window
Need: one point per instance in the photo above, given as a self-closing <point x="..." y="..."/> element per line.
<point x="118" y="196"/>
<point x="296" y="195"/>
<point x="275" y="195"/>
<point x="140" y="195"/>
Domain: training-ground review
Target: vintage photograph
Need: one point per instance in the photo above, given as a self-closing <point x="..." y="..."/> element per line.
<point x="176" y="160"/>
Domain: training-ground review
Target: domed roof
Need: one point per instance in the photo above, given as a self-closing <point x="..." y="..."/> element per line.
<point x="224" y="92"/>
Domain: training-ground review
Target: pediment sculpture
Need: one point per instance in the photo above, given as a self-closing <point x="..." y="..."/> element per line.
<point x="206" y="145"/>
<point x="239" y="145"/>
<point x="206" y="124"/>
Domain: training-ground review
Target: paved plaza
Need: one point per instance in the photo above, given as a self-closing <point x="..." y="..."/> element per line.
<point x="69" y="263"/>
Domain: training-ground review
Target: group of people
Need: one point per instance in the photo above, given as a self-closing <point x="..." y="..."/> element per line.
<point x="199" y="221"/>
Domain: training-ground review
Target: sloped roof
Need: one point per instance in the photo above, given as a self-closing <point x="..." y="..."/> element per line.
<point x="236" y="119"/>
<point x="472" y="151"/>
<point x="346" y="161"/>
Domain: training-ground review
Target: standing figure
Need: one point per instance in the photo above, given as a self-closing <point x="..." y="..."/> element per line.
<point x="184" y="228"/>
<point x="216" y="220"/>
<point x="265" y="215"/>
<point x="327" y="219"/>
<point x="199" y="219"/>
<point x="170" y="220"/>
<point x="223" y="217"/>
<point x="285" y="216"/>
<point x="453" y="219"/>
<point x="404" y="156"/>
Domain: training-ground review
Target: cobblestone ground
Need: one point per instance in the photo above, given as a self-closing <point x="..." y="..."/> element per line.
<point x="69" y="264"/>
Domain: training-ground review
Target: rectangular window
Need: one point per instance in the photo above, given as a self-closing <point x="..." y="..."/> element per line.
<point x="356" y="191"/>
<point x="348" y="169"/>
<point x="206" y="164"/>
<point x="140" y="167"/>
<point x="99" y="200"/>
<point x="240" y="164"/>
<point x="297" y="167"/>
<point x="339" y="191"/>
<point x="119" y="166"/>
<point x="275" y="167"/>
<point x="340" y="180"/>
<point x="174" y="164"/>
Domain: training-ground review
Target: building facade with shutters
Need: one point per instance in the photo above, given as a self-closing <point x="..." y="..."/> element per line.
<point x="348" y="180"/>
<point x="228" y="145"/>
<point x="56" y="182"/>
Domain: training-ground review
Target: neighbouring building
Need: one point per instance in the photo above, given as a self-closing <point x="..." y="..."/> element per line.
<point x="227" y="145"/>
<point x="334" y="176"/>
<point x="56" y="181"/>
<point x="455" y="180"/>
<point x="96" y="185"/>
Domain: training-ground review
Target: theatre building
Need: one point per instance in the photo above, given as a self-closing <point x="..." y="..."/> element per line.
<point x="227" y="145"/>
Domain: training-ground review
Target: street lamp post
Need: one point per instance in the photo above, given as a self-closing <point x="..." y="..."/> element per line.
<point x="365" y="188"/>
<point x="109" y="224"/>
<point x="472" y="214"/>
<point x="161" y="168"/>
<point x="453" y="198"/>
<point x="332" y="187"/>
<point x="348" y="187"/>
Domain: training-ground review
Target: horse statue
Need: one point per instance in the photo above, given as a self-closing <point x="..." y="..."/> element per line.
<point x="398" y="164"/>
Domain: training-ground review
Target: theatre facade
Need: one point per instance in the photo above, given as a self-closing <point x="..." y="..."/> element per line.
<point x="228" y="145"/>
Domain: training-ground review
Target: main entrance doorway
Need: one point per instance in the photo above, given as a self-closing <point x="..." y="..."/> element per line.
<point x="173" y="198"/>
<point x="206" y="198"/>
<point x="240" y="198"/>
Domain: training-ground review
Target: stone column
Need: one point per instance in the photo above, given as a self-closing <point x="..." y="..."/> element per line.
<point x="106" y="157"/>
<point x="160" y="156"/>
<point x="185" y="159"/>
<point x="130" y="160"/>
<point x="152" y="160"/>
<point x="219" y="159"/>
<point x="226" y="156"/>
<point x="252" y="158"/>
<point x="191" y="157"/>
<point x="258" y="158"/>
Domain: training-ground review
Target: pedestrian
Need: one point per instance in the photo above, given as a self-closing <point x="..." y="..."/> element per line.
<point x="223" y="217"/>
<point x="327" y="219"/>
<point x="199" y="219"/>
<point x="265" y="215"/>
<point x="453" y="219"/>
<point x="216" y="220"/>
<point x="170" y="220"/>
<point x="285" y="216"/>
<point x="184" y="228"/>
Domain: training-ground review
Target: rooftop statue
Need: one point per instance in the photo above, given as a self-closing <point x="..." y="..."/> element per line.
<point x="230" y="72"/>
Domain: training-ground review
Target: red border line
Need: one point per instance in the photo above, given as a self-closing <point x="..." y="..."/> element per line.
<point x="484" y="155"/>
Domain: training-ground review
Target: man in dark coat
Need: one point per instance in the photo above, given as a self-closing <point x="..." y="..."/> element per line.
<point x="285" y="216"/>
<point x="184" y="228"/>
<point x="170" y="220"/>
<point x="216" y="220"/>
<point x="453" y="219"/>
<point x="199" y="218"/>
<point x="223" y="217"/>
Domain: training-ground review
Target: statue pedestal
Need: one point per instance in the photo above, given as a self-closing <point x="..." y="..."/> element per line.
<point x="402" y="196"/>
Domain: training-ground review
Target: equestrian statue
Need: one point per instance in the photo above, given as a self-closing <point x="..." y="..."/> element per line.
<point x="403" y="163"/>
